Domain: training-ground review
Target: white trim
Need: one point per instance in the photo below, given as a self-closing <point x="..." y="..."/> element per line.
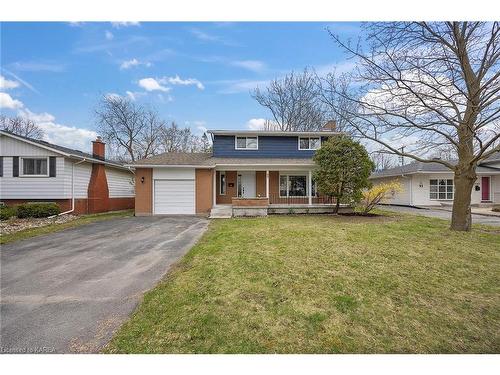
<point x="169" y="166"/>
<point x="489" y="191"/>
<point x="308" y="149"/>
<point x="246" y="148"/>
<point x="320" y="133"/>
<point x="438" y="192"/>
<point x="222" y="173"/>
<point x="21" y="167"/>
<point x="296" y="174"/>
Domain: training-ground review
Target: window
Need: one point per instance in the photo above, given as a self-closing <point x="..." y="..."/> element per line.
<point x="312" y="143"/>
<point x="222" y="184"/>
<point x="293" y="186"/>
<point x="247" y="143"/>
<point x="441" y="189"/>
<point x="34" y="167"/>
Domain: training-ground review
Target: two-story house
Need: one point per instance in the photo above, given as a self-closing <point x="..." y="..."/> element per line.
<point x="248" y="173"/>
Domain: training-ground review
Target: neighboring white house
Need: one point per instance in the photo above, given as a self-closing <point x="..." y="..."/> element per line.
<point x="431" y="184"/>
<point x="37" y="171"/>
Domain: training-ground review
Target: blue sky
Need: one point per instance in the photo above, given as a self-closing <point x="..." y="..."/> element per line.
<point x="198" y="74"/>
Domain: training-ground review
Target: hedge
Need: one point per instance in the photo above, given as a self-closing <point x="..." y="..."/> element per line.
<point x="7" y="212"/>
<point x="37" y="210"/>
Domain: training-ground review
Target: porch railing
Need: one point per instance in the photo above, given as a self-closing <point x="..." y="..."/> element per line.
<point x="277" y="199"/>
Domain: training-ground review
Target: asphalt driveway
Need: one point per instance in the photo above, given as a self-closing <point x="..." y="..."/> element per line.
<point x="69" y="291"/>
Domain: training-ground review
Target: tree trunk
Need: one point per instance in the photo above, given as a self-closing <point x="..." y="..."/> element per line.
<point x="461" y="218"/>
<point x="337" y="205"/>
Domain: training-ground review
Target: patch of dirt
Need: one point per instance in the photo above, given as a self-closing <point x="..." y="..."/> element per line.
<point x="14" y="225"/>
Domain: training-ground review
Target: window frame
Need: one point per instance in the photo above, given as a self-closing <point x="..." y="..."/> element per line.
<point x="222" y="174"/>
<point x="445" y="192"/>
<point x="309" y="143"/>
<point x="246" y="142"/>
<point x="288" y="175"/>
<point x="21" y="166"/>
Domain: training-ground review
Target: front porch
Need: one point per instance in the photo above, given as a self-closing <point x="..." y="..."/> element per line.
<point x="247" y="192"/>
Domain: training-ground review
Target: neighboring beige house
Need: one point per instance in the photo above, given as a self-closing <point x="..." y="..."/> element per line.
<point x="431" y="184"/>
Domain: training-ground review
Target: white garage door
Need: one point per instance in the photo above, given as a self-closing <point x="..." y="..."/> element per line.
<point x="173" y="197"/>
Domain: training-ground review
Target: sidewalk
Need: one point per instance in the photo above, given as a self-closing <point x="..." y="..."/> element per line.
<point x="484" y="211"/>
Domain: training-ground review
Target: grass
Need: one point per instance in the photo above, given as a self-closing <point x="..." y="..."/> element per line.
<point x="84" y="219"/>
<point x="324" y="284"/>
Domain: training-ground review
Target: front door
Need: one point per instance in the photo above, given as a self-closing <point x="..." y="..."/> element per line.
<point x="246" y="184"/>
<point x="485" y="189"/>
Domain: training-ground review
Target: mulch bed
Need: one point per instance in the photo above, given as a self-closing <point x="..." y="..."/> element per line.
<point x="15" y="225"/>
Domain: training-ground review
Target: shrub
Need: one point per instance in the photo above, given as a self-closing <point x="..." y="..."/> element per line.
<point x="378" y="193"/>
<point x="7" y="212"/>
<point x="37" y="210"/>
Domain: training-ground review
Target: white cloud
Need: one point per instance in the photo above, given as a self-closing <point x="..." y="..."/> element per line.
<point x="109" y="35"/>
<point x="240" y="86"/>
<point x="185" y="82"/>
<point x="151" y="84"/>
<point x="21" y="80"/>
<point x="63" y="135"/>
<point x="252" y="65"/>
<point x="134" y="95"/>
<point x="6" y="84"/>
<point x="133" y="62"/>
<point x="118" y="25"/>
<point x="36" y="117"/>
<point x="201" y="35"/>
<point x="6" y="101"/>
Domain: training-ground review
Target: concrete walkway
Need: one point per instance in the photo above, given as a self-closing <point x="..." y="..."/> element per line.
<point x="441" y="214"/>
<point x="69" y="291"/>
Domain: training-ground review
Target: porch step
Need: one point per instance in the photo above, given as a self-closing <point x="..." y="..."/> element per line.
<point x="221" y="212"/>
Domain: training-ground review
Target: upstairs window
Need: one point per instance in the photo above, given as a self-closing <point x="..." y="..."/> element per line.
<point x="247" y="143"/>
<point x="309" y="143"/>
<point x="441" y="189"/>
<point x="34" y="167"/>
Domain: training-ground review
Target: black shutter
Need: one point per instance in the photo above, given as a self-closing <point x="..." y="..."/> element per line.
<point x="1" y="166"/>
<point x="52" y="166"/>
<point x="15" y="166"/>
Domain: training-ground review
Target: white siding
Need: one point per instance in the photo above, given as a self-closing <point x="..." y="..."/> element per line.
<point x="33" y="187"/>
<point x="82" y="174"/>
<point x="403" y="197"/>
<point x="495" y="188"/>
<point x="13" y="147"/>
<point x="120" y="183"/>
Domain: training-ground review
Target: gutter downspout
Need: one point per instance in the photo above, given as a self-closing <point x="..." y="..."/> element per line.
<point x="72" y="187"/>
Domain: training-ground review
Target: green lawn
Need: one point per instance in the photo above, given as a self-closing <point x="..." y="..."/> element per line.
<point x="84" y="219"/>
<point x="324" y="284"/>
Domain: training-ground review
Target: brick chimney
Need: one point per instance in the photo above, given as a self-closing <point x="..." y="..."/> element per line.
<point x="330" y="126"/>
<point x="98" y="148"/>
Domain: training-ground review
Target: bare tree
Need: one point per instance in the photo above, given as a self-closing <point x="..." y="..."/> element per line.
<point x="435" y="83"/>
<point x="176" y="139"/>
<point x="382" y="160"/>
<point x="21" y="126"/>
<point x="131" y="130"/>
<point x="293" y="102"/>
<point x="205" y="143"/>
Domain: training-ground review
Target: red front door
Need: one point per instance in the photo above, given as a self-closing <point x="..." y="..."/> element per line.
<point x="485" y="188"/>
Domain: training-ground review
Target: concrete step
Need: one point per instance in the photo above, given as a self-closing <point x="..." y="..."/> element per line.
<point x="221" y="212"/>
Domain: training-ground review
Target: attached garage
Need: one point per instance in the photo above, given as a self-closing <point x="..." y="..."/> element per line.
<point x="174" y="197"/>
<point x="174" y="191"/>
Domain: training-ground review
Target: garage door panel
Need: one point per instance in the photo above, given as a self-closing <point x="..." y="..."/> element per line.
<point x="174" y="197"/>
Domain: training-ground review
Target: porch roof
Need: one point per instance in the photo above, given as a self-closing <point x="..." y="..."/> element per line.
<point x="206" y="160"/>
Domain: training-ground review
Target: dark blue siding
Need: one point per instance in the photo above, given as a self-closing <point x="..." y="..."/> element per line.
<point x="269" y="147"/>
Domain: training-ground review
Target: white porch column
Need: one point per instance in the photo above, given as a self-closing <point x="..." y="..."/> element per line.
<point x="214" y="188"/>
<point x="309" y="187"/>
<point x="267" y="184"/>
